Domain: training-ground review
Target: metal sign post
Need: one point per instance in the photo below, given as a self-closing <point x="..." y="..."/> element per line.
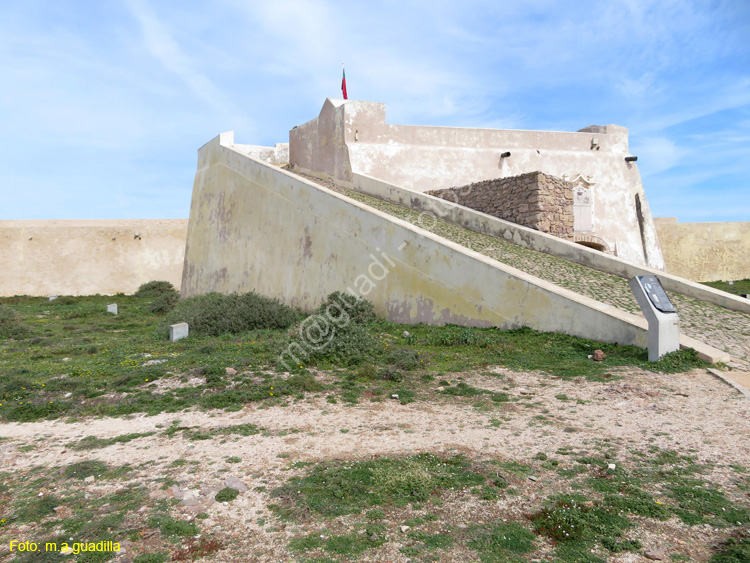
<point x="663" y="322"/>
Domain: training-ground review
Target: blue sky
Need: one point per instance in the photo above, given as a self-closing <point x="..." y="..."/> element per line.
<point x="104" y="104"/>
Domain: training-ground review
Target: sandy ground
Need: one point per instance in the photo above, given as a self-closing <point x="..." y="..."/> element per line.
<point x="684" y="412"/>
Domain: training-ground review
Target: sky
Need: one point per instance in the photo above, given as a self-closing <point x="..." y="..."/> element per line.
<point x="105" y="104"/>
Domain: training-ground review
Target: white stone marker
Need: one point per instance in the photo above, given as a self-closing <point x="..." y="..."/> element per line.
<point x="112" y="308"/>
<point x="52" y="297"/>
<point x="663" y="322"/>
<point x="178" y="331"/>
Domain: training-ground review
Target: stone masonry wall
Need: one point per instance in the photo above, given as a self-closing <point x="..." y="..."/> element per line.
<point x="534" y="200"/>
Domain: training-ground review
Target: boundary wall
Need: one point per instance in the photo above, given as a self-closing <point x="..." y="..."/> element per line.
<point x="705" y="251"/>
<point x="543" y="242"/>
<point x="89" y="257"/>
<point x="256" y="227"/>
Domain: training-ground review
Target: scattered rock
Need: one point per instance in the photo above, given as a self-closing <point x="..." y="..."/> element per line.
<point x="176" y="491"/>
<point x="598" y="356"/>
<point x="656" y="554"/>
<point x="200" y="506"/>
<point x="231" y="371"/>
<point x="89" y="479"/>
<point x="394" y="396"/>
<point x="407" y="334"/>
<point x="153" y="362"/>
<point x="461" y="526"/>
<point x="405" y="529"/>
<point x="524" y="391"/>
<point x="158" y="494"/>
<point x="612" y="466"/>
<point x="236" y="484"/>
<point x="532" y="478"/>
<point x="209" y="491"/>
<point x="125" y="546"/>
<point x="66" y="359"/>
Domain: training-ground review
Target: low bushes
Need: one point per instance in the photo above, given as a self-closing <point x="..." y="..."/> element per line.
<point x="155" y="289"/>
<point x="213" y="314"/>
<point x="338" y="331"/>
<point x="11" y="325"/>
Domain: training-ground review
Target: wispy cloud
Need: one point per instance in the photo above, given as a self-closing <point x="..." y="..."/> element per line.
<point x="162" y="45"/>
<point x="105" y="107"/>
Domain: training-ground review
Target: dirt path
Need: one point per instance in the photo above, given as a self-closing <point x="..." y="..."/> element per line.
<point x="691" y="412"/>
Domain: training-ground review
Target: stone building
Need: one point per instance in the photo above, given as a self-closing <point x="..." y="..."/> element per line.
<point x="581" y="185"/>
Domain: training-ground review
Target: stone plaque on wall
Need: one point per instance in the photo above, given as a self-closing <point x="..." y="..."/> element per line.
<point x="582" y="209"/>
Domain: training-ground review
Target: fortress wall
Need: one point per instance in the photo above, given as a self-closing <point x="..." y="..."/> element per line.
<point x="706" y="251"/>
<point x="431" y="158"/>
<point x="88" y="257"/>
<point x="543" y="242"/>
<point x="256" y="227"/>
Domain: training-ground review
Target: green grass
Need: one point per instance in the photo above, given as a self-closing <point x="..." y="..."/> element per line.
<point x="734" y="550"/>
<point x="501" y="541"/>
<point x="737" y="287"/>
<point x="349" y="488"/>
<point x="173" y="527"/>
<point x="76" y="360"/>
<point x="227" y="494"/>
<point x="80" y="513"/>
<point x="93" y="443"/>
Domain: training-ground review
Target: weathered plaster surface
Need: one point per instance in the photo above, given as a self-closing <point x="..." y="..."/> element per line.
<point x="88" y="257"/>
<point x="256" y="227"/>
<point x="353" y="137"/>
<point x="706" y="251"/>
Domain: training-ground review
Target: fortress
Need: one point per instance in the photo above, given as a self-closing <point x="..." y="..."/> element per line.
<point x="601" y="196"/>
<point x="434" y="225"/>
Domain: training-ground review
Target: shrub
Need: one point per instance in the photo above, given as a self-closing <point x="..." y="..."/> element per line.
<point x="10" y="324"/>
<point x="214" y="374"/>
<point x="339" y="305"/>
<point x="155" y="289"/>
<point x="172" y="526"/>
<point x="64" y="300"/>
<point x="214" y="314"/>
<point x="337" y="331"/>
<point x="368" y="371"/>
<point x="404" y="358"/>
<point x="349" y="345"/>
<point x="163" y="304"/>
<point x="227" y="494"/>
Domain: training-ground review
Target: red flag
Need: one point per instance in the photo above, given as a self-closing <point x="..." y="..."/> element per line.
<point x="343" y="82"/>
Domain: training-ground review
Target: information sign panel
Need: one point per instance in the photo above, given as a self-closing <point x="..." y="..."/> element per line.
<point x="656" y="294"/>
